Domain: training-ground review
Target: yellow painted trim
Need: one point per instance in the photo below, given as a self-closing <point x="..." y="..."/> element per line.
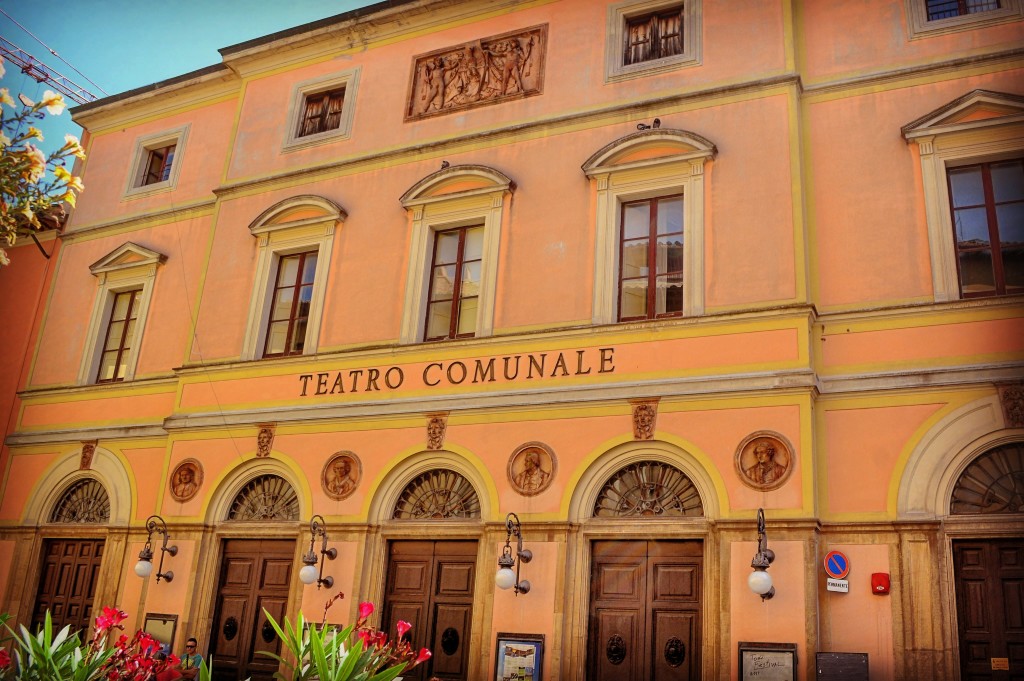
<point x="797" y="174"/>
<point x="788" y="33"/>
<point x="196" y="307"/>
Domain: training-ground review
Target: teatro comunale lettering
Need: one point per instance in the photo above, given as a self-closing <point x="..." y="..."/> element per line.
<point x="507" y="368"/>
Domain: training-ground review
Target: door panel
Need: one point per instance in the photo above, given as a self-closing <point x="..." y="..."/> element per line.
<point x="255" y="574"/>
<point x="430" y="585"/>
<point x="645" y="605"/>
<point x="990" y="607"/>
<point x="67" y="585"/>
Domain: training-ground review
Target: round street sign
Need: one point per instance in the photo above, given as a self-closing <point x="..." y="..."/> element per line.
<point x="837" y="565"/>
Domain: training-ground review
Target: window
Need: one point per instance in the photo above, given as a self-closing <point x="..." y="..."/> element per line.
<point x="294" y="242"/>
<point x="647" y="37"/>
<point x="158" y="169"/>
<point x="650" y="201"/>
<point x="114" y="336"/>
<point x="289" y="309"/>
<point x="987" y="204"/>
<point x="935" y="17"/>
<point x="457" y="213"/>
<point x="322" y="110"/>
<point x="971" y="152"/>
<point x="455" y="283"/>
<point x="651" y="259"/>
<point x="653" y="36"/>
<point x="944" y="9"/>
<point x="156" y="162"/>
<point x="120" y="331"/>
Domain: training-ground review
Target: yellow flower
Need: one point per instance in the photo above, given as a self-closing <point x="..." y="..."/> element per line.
<point x="72" y="144"/>
<point x="69" y="198"/>
<point x="76" y="184"/>
<point x="2" y="67"/>
<point x="5" y="97"/>
<point x="5" y="141"/>
<point x="54" y="102"/>
<point x="35" y="132"/>
<point x="27" y="212"/>
<point x="61" y="173"/>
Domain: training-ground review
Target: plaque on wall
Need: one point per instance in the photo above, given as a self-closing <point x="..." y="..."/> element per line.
<point x="767" y="661"/>
<point x="841" y="666"/>
<point x="486" y="71"/>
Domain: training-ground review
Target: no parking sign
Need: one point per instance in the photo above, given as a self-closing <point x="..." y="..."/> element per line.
<point x="837" y="566"/>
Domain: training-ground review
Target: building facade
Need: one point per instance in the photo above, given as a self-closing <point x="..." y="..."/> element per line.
<point x="629" y="270"/>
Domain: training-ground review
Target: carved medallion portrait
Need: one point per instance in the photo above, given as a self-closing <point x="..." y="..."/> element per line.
<point x="764" y="460"/>
<point x="478" y="72"/>
<point x="1012" y="399"/>
<point x="645" y="417"/>
<point x="265" y="440"/>
<point x="341" y="475"/>
<point x="186" y="479"/>
<point x="436" y="426"/>
<point x="531" y="468"/>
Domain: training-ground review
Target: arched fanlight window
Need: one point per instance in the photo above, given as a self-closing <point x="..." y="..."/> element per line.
<point x="268" y="497"/>
<point x="992" y="484"/>
<point x="84" y="502"/>
<point x="648" y="489"/>
<point x="438" y="494"/>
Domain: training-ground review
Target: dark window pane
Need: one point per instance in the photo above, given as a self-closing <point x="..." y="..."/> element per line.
<point x="668" y="297"/>
<point x="117" y="340"/>
<point x="968" y="188"/>
<point x="971" y="226"/>
<point x="1008" y="181"/>
<point x="299" y="336"/>
<point x="976" y="275"/>
<point x="455" y="283"/>
<point x="641" y="268"/>
<point x="309" y="269"/>
<point x="290" y="305"/>
<point x="944" y="9"/>
<point x="670" y="254"/>
<point x="1010" y="218"/>
<point x="1013" y="269"/>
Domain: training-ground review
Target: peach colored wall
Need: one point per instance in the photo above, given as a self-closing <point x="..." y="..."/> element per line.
<point x="771" y="621"/>
<point x="135" y="592"/>
<point x="869" y="218"/>
<point x="995" y="340"/>
<point x="862" y="37"/>
<point x="860" y="621"/>
<point x="535" y="612"/>
<point x="343" y="568"/>
<point x="146" y="466"/>
<point x="59" y="352"/>
<point x="110" y="156"/>
<point x="24" y="472"/>
<point x="863" y="445"/>
<point x="97" y="411"/>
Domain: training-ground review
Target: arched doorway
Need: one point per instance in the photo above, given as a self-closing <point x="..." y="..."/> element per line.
<point x="646" y="593"/>
<point x="255" y="576"/>
<point x="989" y="571"/>
<point x="429" y="582"/>
<point x="71" y="565"/>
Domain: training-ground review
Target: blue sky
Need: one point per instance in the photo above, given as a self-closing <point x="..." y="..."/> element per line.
<point x="124" y="44"/>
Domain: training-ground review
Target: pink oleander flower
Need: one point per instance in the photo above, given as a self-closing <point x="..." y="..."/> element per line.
<point x="402" y="627"/>
<point x="111" y="617"/>
<point x="5" y="658"/>
<point x="422" y="657"/>
<point x="365" y="610"/>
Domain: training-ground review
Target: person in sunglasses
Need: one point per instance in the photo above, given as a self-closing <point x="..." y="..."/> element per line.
<point x="190" y="660"/>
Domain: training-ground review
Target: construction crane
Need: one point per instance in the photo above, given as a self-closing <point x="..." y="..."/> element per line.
<point x="43" y="73"/>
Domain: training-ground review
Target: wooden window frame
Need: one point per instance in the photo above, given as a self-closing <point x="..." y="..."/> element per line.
<point x="457" y="298"/>
<point x="653" y="20"/>
<point x="963" y="8"/>
<point x="995" y="245"/>
<point x="141" y="179"/>
<point x="123" y="343"/>
<point x="919" y="26"/>
<point x="322" y="118"/>
<point x="622" y="14"/>
<point x="652" y="256"/>
<point x="345" y="83"/>
<point x="293" y="316"/>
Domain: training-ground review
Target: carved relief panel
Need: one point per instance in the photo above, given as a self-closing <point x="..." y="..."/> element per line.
<point x="486" y="71"/>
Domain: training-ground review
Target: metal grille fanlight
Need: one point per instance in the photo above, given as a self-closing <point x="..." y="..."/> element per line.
<point x="648" y="489"/>
<point x="438" y="494"/>
<point x="84" y="502"/>
<point x="268" y="497"/>
<point x="993" y="483"/>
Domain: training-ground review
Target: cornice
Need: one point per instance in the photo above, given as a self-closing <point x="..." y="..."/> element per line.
<point x="77" y="435"/>
<point x="963" y="375"/>
<point x="149" y="218"/>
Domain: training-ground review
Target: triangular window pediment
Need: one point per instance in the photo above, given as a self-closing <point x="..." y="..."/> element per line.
<point x="976" y="109"/>
<point x="126" y="256"/>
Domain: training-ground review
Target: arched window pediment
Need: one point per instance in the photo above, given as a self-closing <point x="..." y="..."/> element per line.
<point x="438" y="494"/>
<point x="297" y="211"/>
<point x="456" y="182"/>
<point x="265" y="498"/>
<point x="649" y="147"/>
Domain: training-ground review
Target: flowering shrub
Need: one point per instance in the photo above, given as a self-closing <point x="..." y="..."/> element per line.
<point x="109" y="655"/>
<point x="356" y="653"/>
<point x="30" y="198"/>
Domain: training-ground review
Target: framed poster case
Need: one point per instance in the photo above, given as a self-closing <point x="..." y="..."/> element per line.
<point x="767" y="661"/>
<point x="519" y="657"/>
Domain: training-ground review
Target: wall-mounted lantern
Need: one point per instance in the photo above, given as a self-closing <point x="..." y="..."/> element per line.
<point x="144" y="568"/>
<point x="759" y="581"/>
<point x="505" y="577"/>
<point x="308" y="574"/>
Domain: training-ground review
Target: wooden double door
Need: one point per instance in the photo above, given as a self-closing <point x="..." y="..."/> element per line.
<point x="990" y="608"/>
<point x="645" y="611"/>
<point x="255" y="575"/>
<point x="67" y="583"/>
<point x="430" y="585"/>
